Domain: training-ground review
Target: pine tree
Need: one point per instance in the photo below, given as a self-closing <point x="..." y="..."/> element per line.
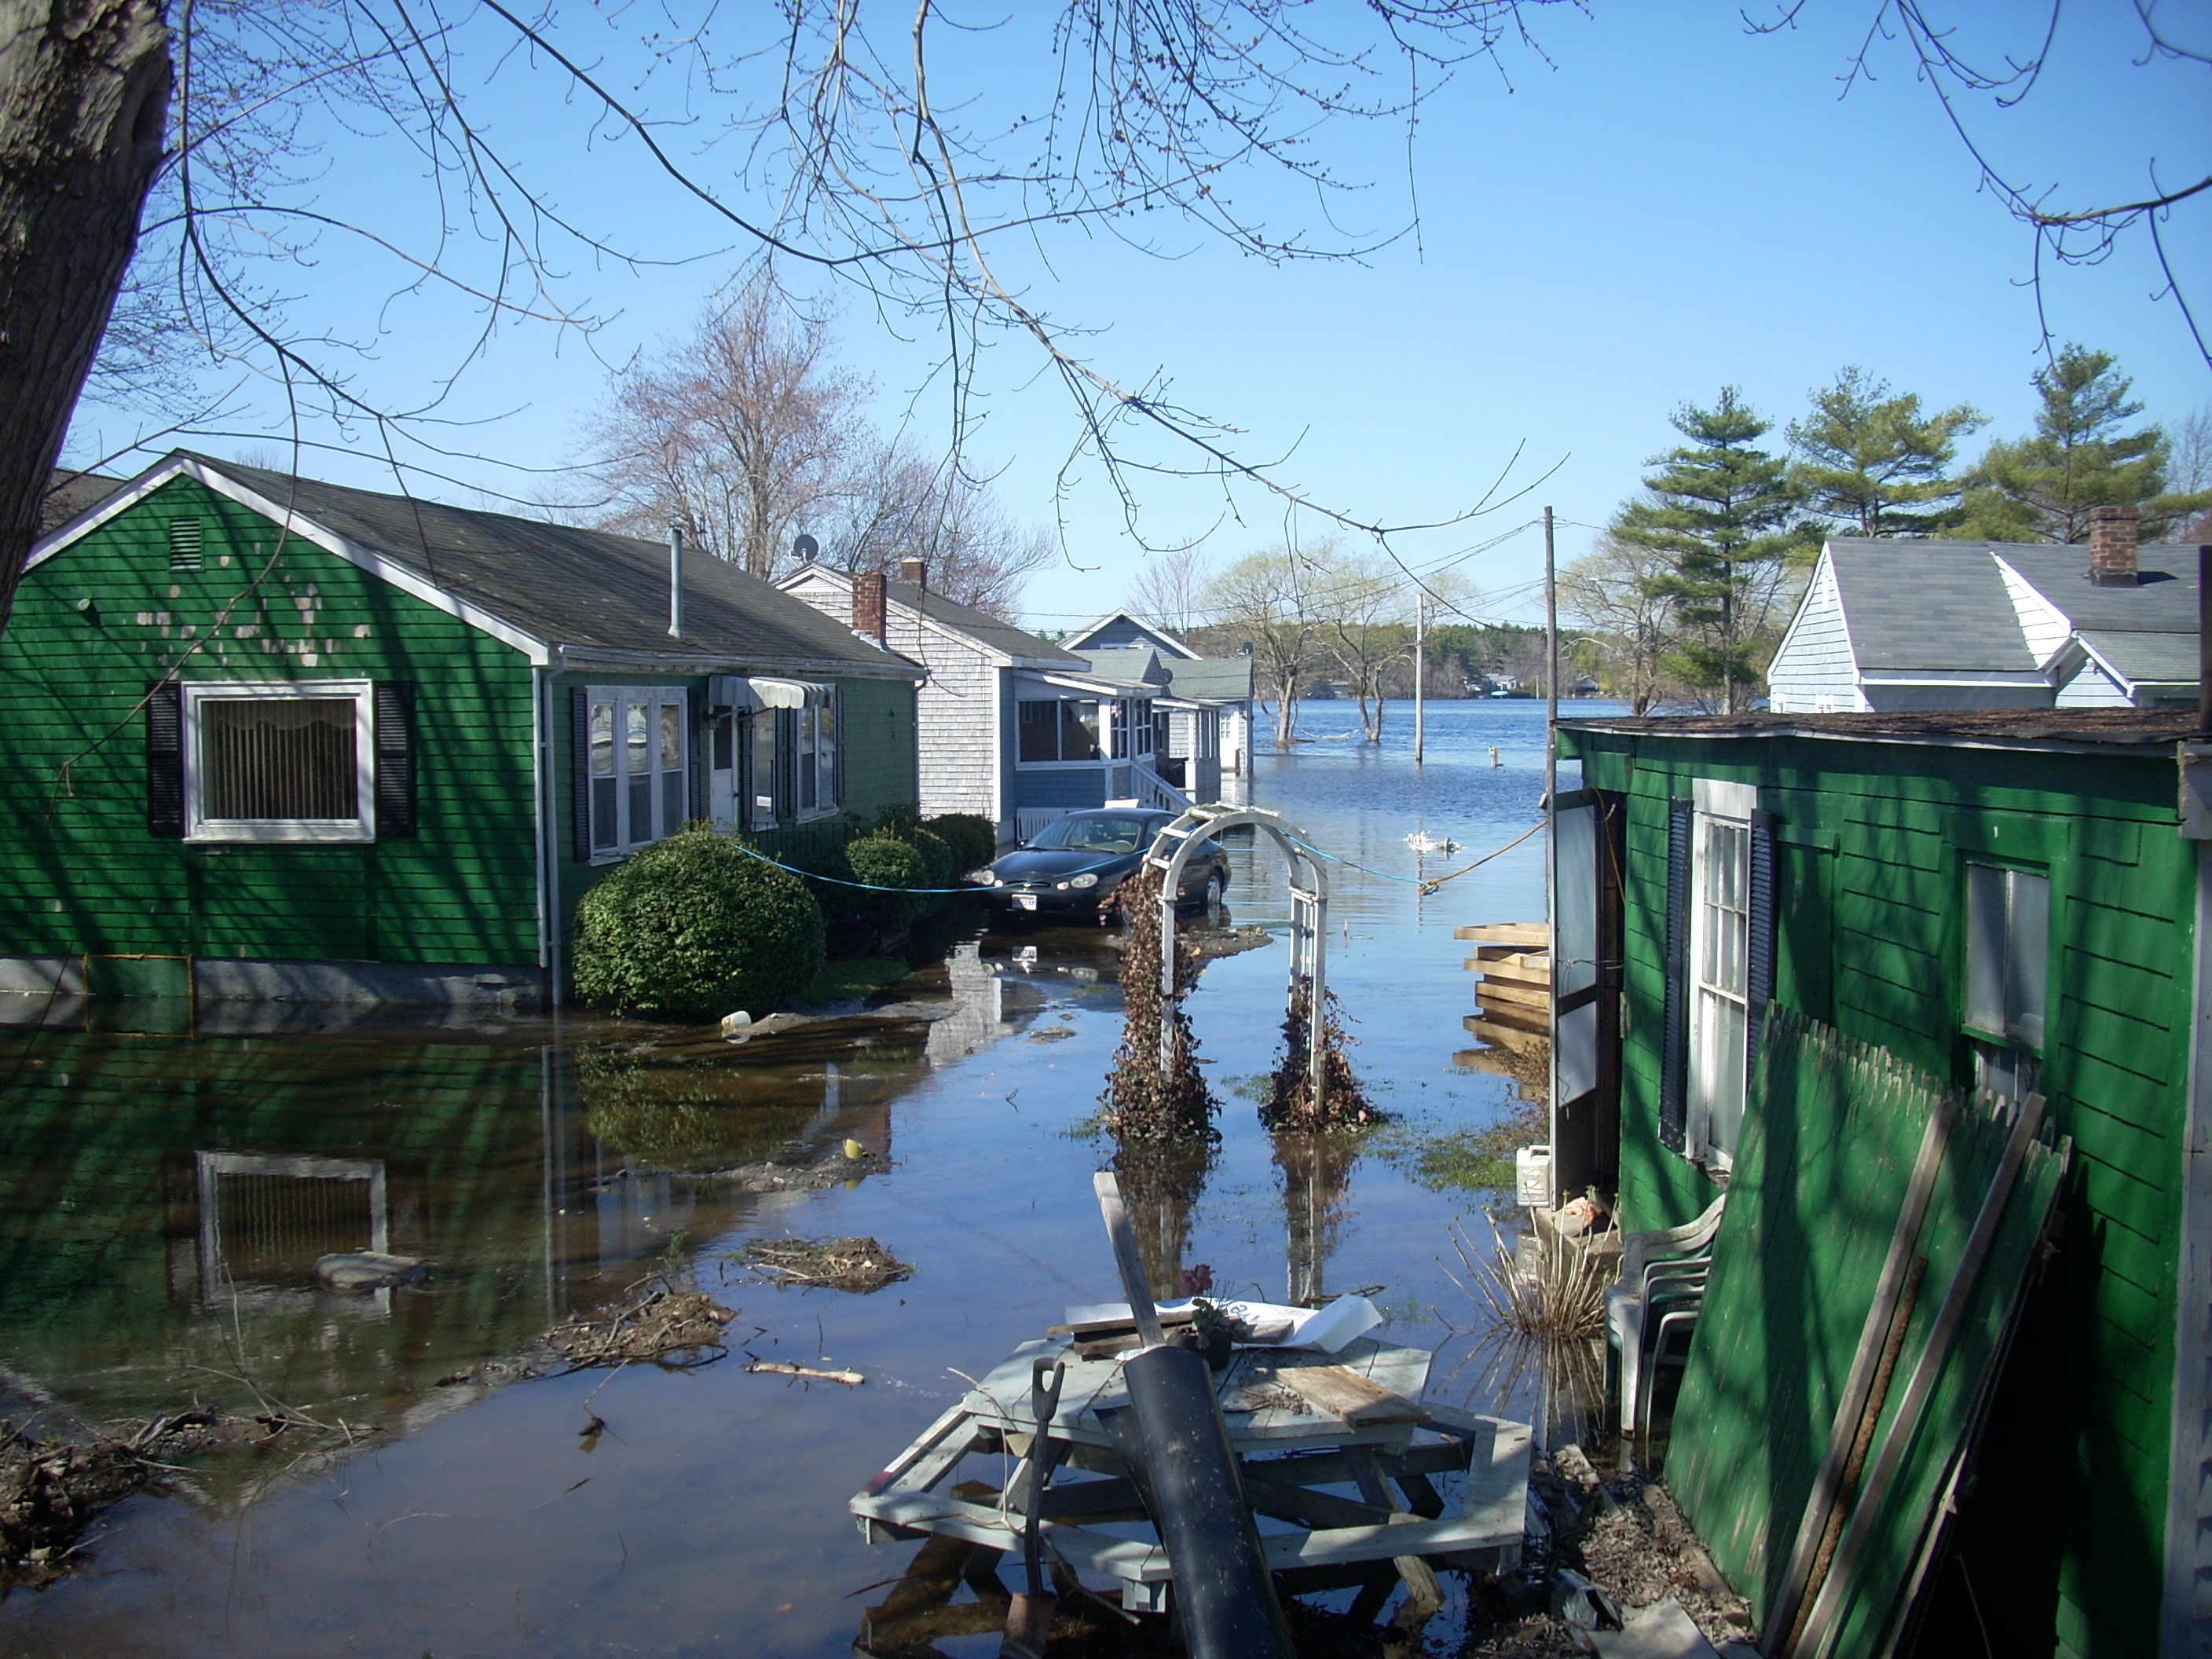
<point x="1720" y="513"/>
<point x="2042" y="488"/>
<point x="1873" y="464"/>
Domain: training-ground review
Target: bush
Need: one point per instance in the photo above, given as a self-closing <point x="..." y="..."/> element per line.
<point x="883" y="861"/>
<point x="974" y="840"/>
<point x="937" y="867"/>
<point x="694" y="926"/>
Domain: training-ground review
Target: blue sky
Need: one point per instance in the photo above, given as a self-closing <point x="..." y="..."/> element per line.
<point x="1669" y="204"/>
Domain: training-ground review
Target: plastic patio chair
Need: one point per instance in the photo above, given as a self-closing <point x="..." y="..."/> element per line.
<point x="1665" y="1265"/>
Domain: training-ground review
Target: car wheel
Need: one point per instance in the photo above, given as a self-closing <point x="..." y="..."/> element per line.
<point x="1217" y="890"/>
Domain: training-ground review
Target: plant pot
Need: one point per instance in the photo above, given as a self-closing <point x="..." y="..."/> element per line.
<point x="1215" y="1346"/>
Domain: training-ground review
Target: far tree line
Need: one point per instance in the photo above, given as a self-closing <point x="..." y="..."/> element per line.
<point x="1685" y="596"/>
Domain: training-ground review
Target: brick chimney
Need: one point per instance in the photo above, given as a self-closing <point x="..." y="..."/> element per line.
<point x="868" y="606"/>
<point x="916" y="571"/>
<point x="2114" y="532"/>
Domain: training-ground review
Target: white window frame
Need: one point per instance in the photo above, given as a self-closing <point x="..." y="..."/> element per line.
<point x="1104" y="736"/>
<point x="620" y="699"/>
<point x="1719" y="1044"/>
<point x="827" y="769"/>
<point x="360" y="827"/>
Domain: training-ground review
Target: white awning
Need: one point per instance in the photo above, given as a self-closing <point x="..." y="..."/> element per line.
<point x="779" y="694"/>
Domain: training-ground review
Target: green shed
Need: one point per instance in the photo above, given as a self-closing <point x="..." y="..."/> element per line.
<point x="273" y="737"/>
<point x="2008" y="898"/>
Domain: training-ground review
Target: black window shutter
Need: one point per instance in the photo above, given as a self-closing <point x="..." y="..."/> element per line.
<point x="837" y="757"/>
<point x="395" y="760"/>
<point x="695" y="745"/>
<point x="1759" y="962"/>
<point x="1675" y="1039"/>
<point x="164" y="760"/>
<point x="580" y="762"/>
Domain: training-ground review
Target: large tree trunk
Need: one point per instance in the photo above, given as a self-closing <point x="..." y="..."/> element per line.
<point x="84" y="104"/>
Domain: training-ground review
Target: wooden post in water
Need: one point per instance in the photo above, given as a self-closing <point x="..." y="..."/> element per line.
<point x="1420" y="666"/>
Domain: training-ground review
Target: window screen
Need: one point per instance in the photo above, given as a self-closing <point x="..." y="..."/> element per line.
<point x="2008" y="952"/>
<point x="267" y="759"/>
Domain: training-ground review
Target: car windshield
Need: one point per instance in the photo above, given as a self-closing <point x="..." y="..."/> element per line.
<point x="1085" y="832"/>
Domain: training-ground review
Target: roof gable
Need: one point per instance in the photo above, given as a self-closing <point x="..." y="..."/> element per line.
<point x="534" y="585"/>
<point x="1124" y="629"/>
<point x="993" y="633"/>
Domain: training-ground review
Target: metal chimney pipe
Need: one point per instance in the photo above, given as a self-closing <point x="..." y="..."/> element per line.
<point x="2204" y="642"/>
<point x="676" y="581"/>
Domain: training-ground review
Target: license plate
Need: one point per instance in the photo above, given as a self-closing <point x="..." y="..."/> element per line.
<point x="1025" y="900"/>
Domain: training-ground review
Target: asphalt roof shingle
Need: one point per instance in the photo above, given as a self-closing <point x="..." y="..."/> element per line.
<point x="1929" y="606"/>
<point x="567" y="585"/>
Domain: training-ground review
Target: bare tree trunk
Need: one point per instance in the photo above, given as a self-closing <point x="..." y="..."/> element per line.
<point x="84" y="102"/>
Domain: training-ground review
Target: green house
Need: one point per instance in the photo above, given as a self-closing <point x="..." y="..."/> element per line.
<point x="271" y="738"/>
<point x="2008" y="898"/>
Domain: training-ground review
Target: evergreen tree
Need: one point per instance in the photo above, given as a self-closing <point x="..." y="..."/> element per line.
<point x="1872" y="463"/>
<point x="2042" y="488"/>
<point x="1719" y="513"/>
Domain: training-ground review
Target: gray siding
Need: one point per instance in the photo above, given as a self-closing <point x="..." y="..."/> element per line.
<point x="2092" y="688"/>
<point x="1814" y="673"/>
<point x="956" y="708"/>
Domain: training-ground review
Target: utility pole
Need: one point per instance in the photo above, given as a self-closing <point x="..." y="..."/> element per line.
<point x="1551" y="667"/>
<point x="1420" y="666"/>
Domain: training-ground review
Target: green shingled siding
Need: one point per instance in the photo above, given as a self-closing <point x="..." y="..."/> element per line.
<point x="1874" y="839"/>
<point x="78" y="870"/>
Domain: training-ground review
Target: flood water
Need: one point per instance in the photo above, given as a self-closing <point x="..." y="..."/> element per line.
<point x="162" y="1195"/>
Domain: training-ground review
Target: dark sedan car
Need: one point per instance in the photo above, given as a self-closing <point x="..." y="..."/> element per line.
<point x="1071" y="868"/>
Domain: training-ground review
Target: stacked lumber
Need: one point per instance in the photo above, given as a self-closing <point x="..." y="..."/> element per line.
<point x="1513" y="998"/>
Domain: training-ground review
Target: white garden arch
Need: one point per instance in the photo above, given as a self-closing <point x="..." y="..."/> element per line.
<point x="1171" y="851"/>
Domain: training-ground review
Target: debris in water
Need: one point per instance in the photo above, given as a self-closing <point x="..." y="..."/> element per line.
<point x="366" y="1270"/>
<point x="781" y="1368"/>
<point x="841" y="1264"/>
<point x="676" y="1328"/>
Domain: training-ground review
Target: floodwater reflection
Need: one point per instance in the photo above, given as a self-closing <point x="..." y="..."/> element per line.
<point x="164" y="1196"/>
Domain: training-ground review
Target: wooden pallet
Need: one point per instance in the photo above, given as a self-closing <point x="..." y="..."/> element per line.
<point x="1093" y="1522"/>
<point x="1521" y="934"/>
<point x="1498" y="1034"/>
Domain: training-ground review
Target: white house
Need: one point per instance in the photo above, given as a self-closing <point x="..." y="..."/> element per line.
<point x="1888" y="625"/>
<point x="1196" y="683"/>
<point x="1010" y="727"/>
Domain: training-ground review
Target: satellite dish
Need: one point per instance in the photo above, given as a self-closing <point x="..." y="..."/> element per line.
<point x="1245" y="649"/>
<point x="806" y="547"/>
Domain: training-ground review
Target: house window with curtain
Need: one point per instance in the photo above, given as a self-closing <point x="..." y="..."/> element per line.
<point x="286" y="761"/>
<point x="637" y="766"/>
<point x="2008" y="976"/>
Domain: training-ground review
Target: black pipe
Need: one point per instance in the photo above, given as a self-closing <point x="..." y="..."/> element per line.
<point x="1176" y="1445"/>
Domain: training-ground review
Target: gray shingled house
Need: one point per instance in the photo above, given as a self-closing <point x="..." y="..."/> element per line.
<point x="1011" y="728"/>
<point x="1198" y="683"/>
<point x="1893" y="625"/>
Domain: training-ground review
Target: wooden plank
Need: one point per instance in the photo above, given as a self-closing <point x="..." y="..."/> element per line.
<point x="1515" y="1017"/>
<point x="1507" y="933"/>
<point x="1481" y="1060"/>
<point x="1506" y="967"/>
<point x="1501" y="1035"/>
<point x="1498" y="994"/>
<point x="1344" y="1393"/>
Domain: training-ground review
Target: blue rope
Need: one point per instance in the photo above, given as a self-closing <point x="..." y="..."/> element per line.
<point x="869" y="886"/>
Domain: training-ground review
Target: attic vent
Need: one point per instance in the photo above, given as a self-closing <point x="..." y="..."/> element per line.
<point x="185" y="536"/>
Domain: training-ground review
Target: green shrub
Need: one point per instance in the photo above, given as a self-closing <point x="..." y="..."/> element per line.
<point x="937" y="867"/>
<point x="974" y="840"/>
<point x="883" y="861"/>
<point x="694" y="926"/>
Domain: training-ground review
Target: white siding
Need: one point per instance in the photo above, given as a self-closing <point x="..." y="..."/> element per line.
<point x="1814" y="673"/>
<point x="2041" y="623"/>
<point x="956" y="708"/>
<point x="2092" y="688"/>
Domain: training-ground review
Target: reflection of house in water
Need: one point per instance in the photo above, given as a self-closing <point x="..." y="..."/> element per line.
<point x="266" y="1221"/>
<point x="986" y="1006"/>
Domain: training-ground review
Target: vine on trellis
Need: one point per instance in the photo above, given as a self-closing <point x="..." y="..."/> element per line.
<point x="1290" y="1105"/>
<point x="1157" y="1095"/>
